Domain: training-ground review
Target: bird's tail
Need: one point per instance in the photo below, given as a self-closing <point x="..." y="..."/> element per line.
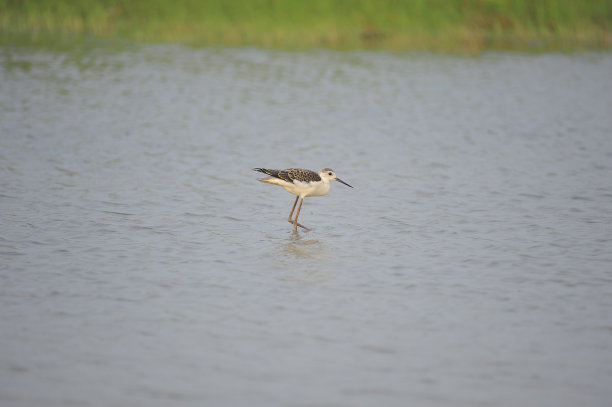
<point x="273" y="173"/>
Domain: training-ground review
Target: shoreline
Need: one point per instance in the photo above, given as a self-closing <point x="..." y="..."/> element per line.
<point x="291" y="25"/>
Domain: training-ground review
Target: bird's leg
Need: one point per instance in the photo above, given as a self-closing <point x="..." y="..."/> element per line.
<point x="292" y="209"/>
<point x="295" y="222"/>
<point x="291" y="220"/>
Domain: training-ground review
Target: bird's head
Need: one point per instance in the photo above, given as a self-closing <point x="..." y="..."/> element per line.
<point x="330" y="175"/>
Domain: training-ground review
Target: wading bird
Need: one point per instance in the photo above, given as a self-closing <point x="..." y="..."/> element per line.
<point x="302" y="183"/>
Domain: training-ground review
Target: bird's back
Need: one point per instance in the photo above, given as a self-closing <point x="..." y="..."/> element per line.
<point x="291" y="174"/>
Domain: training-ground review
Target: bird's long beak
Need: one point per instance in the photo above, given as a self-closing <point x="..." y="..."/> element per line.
<point x="339" y="180"/>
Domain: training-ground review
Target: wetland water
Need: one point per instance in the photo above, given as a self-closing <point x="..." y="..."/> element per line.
<point x="142" y="264"/>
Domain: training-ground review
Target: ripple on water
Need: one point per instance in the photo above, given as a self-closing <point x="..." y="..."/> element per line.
<point x="143" y="263"/>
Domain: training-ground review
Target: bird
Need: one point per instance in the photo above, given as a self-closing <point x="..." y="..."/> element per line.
<point x="302" y="183"/>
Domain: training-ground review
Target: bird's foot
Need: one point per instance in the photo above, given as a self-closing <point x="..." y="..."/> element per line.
<point x="295" y="225"/>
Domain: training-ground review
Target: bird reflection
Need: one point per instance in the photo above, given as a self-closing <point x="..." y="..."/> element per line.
<point x="301" y="248"/>
<point x="303" y="260"/>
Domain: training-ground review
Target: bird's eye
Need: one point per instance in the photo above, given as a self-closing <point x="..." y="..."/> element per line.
<point x="329" y="173"/>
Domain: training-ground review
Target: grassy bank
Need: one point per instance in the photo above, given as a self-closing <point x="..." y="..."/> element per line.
<point x="443" y="25"/>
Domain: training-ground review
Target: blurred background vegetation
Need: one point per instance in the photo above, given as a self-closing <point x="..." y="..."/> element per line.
<point x="440" y="25"/>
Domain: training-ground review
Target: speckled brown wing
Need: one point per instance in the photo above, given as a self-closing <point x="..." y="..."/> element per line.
<point x="291" y="174"/>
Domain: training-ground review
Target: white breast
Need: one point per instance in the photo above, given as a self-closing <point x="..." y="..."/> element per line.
<point x="304" y="189"/>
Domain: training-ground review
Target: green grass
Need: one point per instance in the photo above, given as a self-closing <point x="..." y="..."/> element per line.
<point x="444" y="25"/>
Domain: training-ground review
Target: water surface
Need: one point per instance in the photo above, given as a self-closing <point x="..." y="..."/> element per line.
<point x="142" y="263"/>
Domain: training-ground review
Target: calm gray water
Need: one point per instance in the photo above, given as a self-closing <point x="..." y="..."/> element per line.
<point x="142" y="264"/>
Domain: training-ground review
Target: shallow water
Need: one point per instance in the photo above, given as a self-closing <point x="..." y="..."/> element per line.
<point x="142" y="263"/>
